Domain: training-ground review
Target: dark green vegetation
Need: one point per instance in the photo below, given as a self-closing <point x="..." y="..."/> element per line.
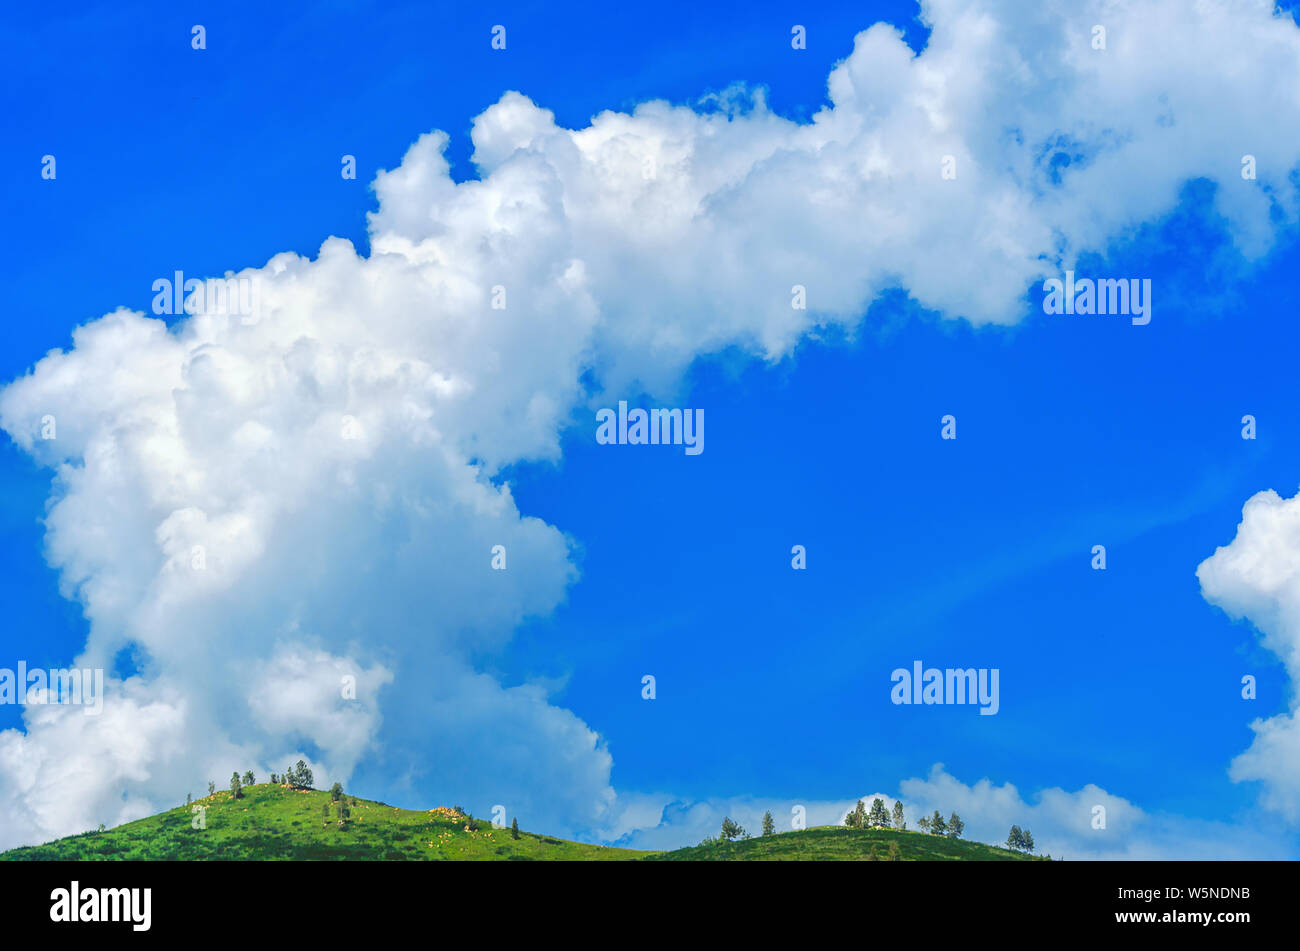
<point x="280" y="822"/>
<point x="837" y="843"/>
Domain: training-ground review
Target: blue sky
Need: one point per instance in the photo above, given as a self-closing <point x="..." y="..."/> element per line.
<point x="773" y="684"/>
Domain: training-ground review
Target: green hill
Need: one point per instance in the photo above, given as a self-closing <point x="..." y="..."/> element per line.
<point x="836" y="843"/>
<point x="279" y="823"/>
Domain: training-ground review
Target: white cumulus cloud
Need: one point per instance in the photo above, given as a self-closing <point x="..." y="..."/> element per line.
<point x="1257" y="576"/>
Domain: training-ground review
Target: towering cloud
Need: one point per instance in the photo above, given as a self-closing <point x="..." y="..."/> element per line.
<point x="1257" y="576"/>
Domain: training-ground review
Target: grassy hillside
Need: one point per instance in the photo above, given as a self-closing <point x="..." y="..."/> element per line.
<point x="836" y="843"/>
<point x="276" y="822"/>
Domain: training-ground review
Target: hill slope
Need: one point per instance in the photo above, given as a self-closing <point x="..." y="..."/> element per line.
<point x="836" y="843"/>
<point x="276" y="822"/>
<point x="273" y="822"/>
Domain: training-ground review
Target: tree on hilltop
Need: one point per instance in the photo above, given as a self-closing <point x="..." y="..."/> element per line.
<point x="300" y="776"/>
<point x="1015" y="839"/>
